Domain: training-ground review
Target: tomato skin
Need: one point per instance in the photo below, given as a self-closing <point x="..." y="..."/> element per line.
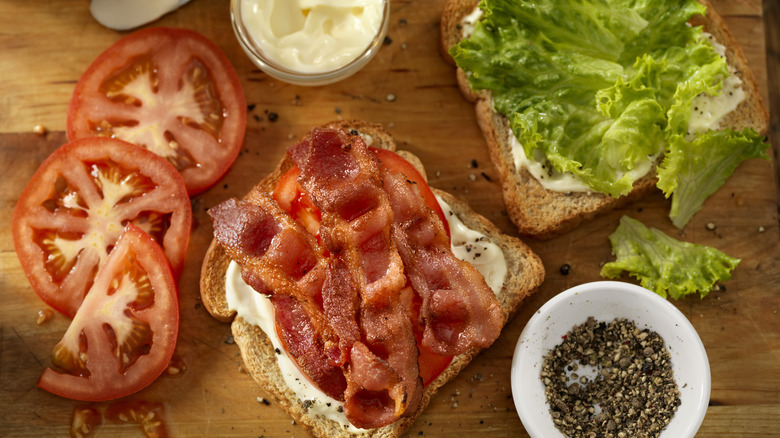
<point x="64" y="201"/>
<point x="203" y="157"/>
<point x="120" y="290"/>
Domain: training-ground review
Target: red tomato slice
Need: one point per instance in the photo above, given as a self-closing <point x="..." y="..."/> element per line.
<point x="124" y="333"/>
<point x="431" y="364"/>
<point x="291" y="198"/>
<point x="171" y="91"/>
<point x="78" y="202"/>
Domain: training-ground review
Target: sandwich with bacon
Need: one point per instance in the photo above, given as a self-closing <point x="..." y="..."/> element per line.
<point x="355" y="290"/>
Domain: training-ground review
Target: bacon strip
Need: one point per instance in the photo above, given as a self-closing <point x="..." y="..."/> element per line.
<point x="343" y="180"/>
<point x="279" y="258"/>
<point x="302" y="342"/>
<point x="459" y="310"/>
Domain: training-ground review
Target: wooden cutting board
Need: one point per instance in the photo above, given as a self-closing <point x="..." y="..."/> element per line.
<point x="412" y="90"/>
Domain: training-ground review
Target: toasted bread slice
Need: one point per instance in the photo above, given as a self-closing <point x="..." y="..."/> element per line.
<point x="543" y="213"/>
<point x="525" y="273"/>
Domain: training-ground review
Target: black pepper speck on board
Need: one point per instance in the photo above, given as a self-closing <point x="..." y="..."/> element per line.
<point x="565" y="269"/>
<point x="273" y="117"/>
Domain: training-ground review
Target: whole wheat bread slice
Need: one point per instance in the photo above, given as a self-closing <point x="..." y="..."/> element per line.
<point x="543" y="213"/>
<point x="525" y="273"/>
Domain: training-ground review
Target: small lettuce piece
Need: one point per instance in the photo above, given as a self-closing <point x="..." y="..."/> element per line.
<point x="693" y="170"/>
<point x="663" y="264"/>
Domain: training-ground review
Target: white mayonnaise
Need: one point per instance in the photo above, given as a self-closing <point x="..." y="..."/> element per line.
<point x="469" y="21"/>
<point x="312" y="36"/>
<point x="708" y="111"/>
<point x="256" y="309"/>
<point x="127" y="14"/>
<point x="565" y="182"/>
<point x="474" y="247"/>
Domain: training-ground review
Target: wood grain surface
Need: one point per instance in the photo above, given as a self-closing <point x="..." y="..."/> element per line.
<point x="46" y="45"/>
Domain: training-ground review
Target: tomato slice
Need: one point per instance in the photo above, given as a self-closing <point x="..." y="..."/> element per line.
<point x="123" y="335"/>
<point x="431" y="364"/>
<point x="78" y="202"/>
<point x="291" y="198"/>
<point x="171" y="91"/>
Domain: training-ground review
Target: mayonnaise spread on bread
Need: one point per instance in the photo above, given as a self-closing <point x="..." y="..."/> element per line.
<point x="467" y="244"/>
<point x="706" y="114"/>
<point x="556" y="181"/>
<point x="707" y="111"/>
<point x="256" y="309"/>
<point x="474" y="247"/>
<point x="467" y="23"/>
<point x="312" y="36"/>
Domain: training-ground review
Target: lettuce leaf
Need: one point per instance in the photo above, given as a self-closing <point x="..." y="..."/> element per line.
<point x="601" y="87"/>
<point x="693" y="170"/>
<point x="663" y="264"/>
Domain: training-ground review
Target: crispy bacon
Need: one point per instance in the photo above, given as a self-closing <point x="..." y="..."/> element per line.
<point x="341" y="177"/>
<point x="341" y="302"/>
<point x="278" y="257"/>
<point x="343" y="180"/>
<point x="459" y="310"/>
<point x="303" y="343"/>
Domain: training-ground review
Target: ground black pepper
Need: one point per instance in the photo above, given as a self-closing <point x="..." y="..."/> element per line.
<point x="632" y="392"/>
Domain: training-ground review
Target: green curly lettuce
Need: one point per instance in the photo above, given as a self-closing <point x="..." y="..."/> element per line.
<point x="663" y="264"/>
<point x="693" y="170"/>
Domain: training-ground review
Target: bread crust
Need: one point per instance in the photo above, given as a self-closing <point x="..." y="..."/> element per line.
<point x="543" y="213"/>
<point x="525" y="273"/>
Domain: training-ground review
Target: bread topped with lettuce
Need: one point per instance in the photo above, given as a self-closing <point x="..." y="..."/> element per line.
<point x="585" y="107"/>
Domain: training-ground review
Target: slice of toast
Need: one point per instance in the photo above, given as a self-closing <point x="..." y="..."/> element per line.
<point x="543" y="213"/>
<point x="525" y="273"/>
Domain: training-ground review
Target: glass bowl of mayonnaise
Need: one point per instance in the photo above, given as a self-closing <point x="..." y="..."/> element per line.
<point x="310" y="42"/>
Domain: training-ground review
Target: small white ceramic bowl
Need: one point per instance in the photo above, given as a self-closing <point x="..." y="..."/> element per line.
<point x="274" y="69"/>
<point x="605" y="301"/>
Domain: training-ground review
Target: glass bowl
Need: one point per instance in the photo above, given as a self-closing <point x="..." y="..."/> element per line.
<point x="605" y="301"/>
<point x="285" y="74"/>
